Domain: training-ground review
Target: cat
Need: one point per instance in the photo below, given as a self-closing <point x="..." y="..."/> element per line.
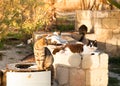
<point x="81" y="48"/>
<point x="57" y="33"/>
<point x="43" y="56"/>
<point x="90" y="47"/>
<point x="29" y="58"/>
<point x="82" y="32"/>
<point x="80" y="36"/>
<point x="92" y="43"/>
<point x="74" y="48"/>
<point x="55" y="38"/>
<point x="87" y="42"/>
<point x="1" y="77"/>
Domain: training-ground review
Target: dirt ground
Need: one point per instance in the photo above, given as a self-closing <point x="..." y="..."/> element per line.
<point x="13" y="54"/>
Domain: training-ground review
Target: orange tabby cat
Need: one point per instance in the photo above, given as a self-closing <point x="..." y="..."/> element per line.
<point x="43" y="56"/>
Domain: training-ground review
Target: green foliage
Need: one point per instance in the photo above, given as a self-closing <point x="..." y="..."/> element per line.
<point x="14" y="35"/>
<point x="114" y="65"/>
<point x="115" y="70"/>
<point x="115" y="3"/>
<point x="1" y="45"/>
<point x="113" y="81"/>
<point x="64" y="28"/>
<point x="23" y="16"/>
<point x="114" y="60"/>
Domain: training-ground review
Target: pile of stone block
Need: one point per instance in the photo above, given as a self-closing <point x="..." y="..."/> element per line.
<point x="92" y="70"/>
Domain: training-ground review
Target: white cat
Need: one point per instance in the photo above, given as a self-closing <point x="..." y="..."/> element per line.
<point x="56" y="38"/>
<point x="90" y="47"/>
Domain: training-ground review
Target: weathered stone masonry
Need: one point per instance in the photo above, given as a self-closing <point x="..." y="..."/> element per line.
<point x="105" y="26"/>
<point x="92" y="71"/>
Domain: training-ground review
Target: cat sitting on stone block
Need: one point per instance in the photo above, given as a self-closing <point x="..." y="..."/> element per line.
<point x="79" y="47"/>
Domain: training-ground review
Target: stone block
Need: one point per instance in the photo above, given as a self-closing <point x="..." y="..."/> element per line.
<point x="84" y="14"/>
<point x="101" y="14"/>
<point x="90" y="61"/>
<point x="91" y="36"/>
<point x="97" y="23"/>
<point x="104" y="61"/>
<point x="114" y="14"/>
<point x="84" y="17"/>
<point x="110" y="23"/>
<point x="118" y="43"/>
<point x="116" y="31"/>
<point x="77" y="77"/>
<point x="62" y="75"/>
<point x="117" y="36"/>
<point x="106" y="34"/>
<point x="89" y="24"/>
<point x="103" y="80"/>
<point x="71" y="60"/>
<point x="119" y="22"/>
<point x="111" y="46"/>
<point x="97" y="77"/>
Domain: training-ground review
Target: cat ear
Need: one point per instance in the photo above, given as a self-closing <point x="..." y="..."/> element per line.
<point x="88" y="42"/>
<point x="96" y="41"/>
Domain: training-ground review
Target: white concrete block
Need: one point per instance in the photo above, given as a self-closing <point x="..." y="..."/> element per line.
<point x="97" y="77"/>
<point x="62" y="75"/>
<point x="77" y="77"/>
<point x="71" y="60"/>
<point x="104" y="60"/>
<point x="90" y="61"/>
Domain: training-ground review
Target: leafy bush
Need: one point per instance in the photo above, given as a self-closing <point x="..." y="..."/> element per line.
<point x="113" y="82"/>
<point x="1" y="46"/>
<point x="115" y="3"/>
<point x="114" y="60"/>
<point x="64" y="28"/>
<point x="23" y="16"/>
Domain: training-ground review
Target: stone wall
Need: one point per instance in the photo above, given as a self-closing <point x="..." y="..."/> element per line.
<point x="92" y="71"/>
<point x="105" y="26"/>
